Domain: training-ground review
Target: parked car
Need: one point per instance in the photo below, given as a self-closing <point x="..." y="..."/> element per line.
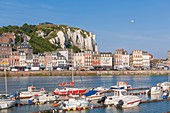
<point x="59" y="69"/>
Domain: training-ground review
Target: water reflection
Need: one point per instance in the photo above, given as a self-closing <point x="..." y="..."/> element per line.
<point x="156" y="96"/>
<point x="4" y="111"/>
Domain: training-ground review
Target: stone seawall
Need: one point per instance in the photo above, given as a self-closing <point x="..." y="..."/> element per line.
<point x="84" y="73"/>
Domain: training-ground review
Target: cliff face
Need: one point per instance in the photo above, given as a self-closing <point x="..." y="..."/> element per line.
<point x="65" y="36"/>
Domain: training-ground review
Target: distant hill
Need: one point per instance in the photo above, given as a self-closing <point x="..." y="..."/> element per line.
<point x="48" y="37"/>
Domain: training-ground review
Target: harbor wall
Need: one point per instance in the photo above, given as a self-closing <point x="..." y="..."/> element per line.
<point x="83" y="73"/>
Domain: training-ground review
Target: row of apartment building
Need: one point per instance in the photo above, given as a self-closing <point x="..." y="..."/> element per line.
<point x="23" y="58"/>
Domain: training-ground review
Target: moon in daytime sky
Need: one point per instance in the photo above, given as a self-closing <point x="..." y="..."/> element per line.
<point x="132" y="21"/>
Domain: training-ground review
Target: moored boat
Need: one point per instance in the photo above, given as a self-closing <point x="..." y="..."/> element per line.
<point x="95" y="93"/>
<point x="165" y="86"/>
<point x="43" y="98"/>
<point x="156" y="90"/>
<point x="120" y="99"/>
<point x="100" y="89"/>
<point x="121" y="85"/>
<point x="66" y="84"/>
<point x="69" y="91"/>
<point x="6" y="102"/>
<point x="32" y="91"/>
<point x="73" y="103"/>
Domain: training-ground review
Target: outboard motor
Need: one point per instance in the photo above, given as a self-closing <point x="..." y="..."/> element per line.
<point x="120" y="103"/>
<point x="101" y="100"/>
<point x="149" y="93"/>
<point x="29" y="101"/>
<point x="16" y="94"/>
<point x="165" y="95"/>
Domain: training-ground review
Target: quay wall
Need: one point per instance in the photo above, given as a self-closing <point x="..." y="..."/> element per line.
<point x="83" y="73"/>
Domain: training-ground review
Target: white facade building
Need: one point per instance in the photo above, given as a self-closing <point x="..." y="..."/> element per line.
<point x="78" y="59"/>
<point x="146" y="59"/>
<point x="106" y="59"/>
<point x="125" y="59"/>
<point x="22" y="60"/>
<point x="136" y="60"/>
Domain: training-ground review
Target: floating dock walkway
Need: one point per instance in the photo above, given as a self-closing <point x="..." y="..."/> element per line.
<point x="94" y="106"/>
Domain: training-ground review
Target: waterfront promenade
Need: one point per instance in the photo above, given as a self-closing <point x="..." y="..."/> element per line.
<point x="83" y="73"/>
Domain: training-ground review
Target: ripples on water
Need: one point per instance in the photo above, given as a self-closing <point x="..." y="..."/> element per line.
<point x="51" y="82"/>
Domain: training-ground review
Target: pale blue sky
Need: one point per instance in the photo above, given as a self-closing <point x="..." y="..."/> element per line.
<point x="110" y="20"/>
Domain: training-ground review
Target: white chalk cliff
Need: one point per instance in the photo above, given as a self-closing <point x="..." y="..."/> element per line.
<point x="63" y="36"/>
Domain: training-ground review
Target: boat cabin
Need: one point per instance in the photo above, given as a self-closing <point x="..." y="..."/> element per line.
<point x="31" y="88"/>
<point x="119" y="92"/>
<point x="121" y="85"/>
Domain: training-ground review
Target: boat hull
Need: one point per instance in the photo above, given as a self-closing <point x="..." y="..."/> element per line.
<point x="71" y="91"/>
<point x="4" y="104"/>
<point x="131" y="104"/>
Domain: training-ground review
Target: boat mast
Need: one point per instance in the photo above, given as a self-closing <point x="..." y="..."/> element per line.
<point x="5" y="83"/>
<point x="72" y="64"/>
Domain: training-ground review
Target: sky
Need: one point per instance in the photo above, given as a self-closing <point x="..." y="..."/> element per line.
<point x="128" y="24"/>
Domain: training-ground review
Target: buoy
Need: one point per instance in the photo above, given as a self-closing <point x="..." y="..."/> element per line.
<point x="55" y="104"/>
<point x="79" y="108"/>
<point x="60" y="111"/>
<point x="74" y="109"/>
<point x="84" y="108"/>
<point x="68" y="109"/>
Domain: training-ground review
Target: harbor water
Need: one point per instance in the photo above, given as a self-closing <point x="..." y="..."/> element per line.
<point x="51" y="82"/>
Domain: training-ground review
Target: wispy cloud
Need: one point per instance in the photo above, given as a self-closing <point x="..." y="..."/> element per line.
<point x="132" y="37"/>
<point x="9" y="4"/>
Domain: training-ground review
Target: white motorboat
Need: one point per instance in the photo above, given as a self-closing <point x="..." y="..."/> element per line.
<point x="121" y="85"/>
<point x="156" y="90"/>
<point x="100" y="89"/>
<point x="120" y="99"/>
<point x="43" y="98"/>
<point x="32" y="91"/>
<point x="6" y="103"/>
<point x="165" y="86"/>
<point x="93" y="95"/>
<point x="73" y="103"/>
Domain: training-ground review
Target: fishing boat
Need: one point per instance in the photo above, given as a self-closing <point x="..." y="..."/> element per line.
<point x="120" y="99"/>
<point x="32" y="91"/>
<point x="74" y="104"/>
